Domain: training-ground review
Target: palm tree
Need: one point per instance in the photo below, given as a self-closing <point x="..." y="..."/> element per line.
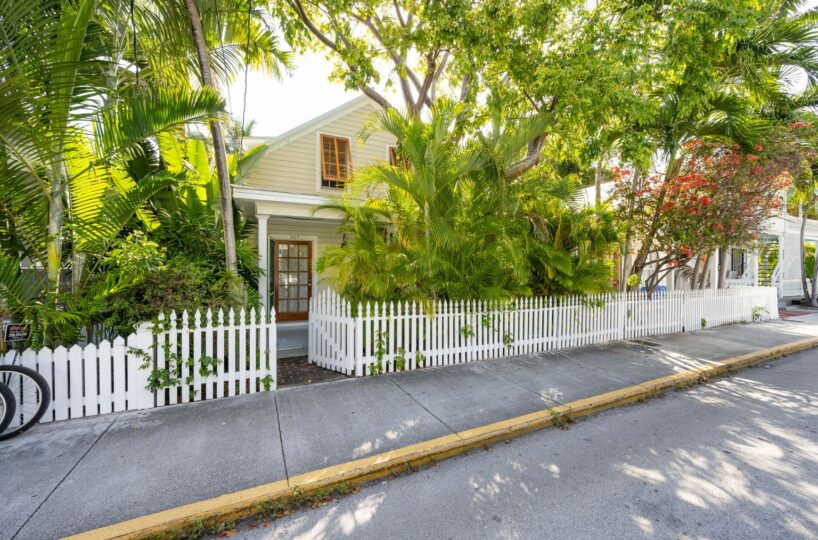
<point x="223" y="39"/>
<point x="450" y="223"/>
<point x="60" y="144"/>
<point x="220" y="154"/>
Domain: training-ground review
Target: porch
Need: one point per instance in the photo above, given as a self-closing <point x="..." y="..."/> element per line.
<point x="290" y="237"/>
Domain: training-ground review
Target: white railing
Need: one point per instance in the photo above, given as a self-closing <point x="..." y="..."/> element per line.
<point x="385" y="337"/>
<point x="205" y="356"/>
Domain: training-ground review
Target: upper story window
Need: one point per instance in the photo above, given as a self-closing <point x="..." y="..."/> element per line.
<point x="394" y="160"/>
<point x="335" y="165"/>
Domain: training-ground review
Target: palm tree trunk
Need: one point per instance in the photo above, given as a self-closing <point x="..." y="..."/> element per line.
<point x="598" y="182"/>
<point x="55" y="219"/>
<point x="802" y="234"/>
<point x="220" y="153"/>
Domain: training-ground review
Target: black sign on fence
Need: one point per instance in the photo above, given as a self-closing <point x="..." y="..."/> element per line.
<point x="16" y="332"/>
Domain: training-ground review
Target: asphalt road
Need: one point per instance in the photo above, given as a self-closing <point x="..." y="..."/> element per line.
<point x="737" y="458"/>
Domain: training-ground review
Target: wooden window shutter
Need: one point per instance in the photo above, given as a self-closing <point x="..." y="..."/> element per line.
<point x="335" y="166"/>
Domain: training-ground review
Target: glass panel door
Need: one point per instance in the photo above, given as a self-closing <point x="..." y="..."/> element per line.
<point x="292" y="275"/>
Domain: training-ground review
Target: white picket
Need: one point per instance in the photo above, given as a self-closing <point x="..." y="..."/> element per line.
<point x="173" y="356"/>
<point x="197" y="354"/>
<point x="184" y="345"/>
<point x="106" y="404"/>
<point x="89" y="362"/>
<point x="208" y="341"/>
<point x="45" y="367"/>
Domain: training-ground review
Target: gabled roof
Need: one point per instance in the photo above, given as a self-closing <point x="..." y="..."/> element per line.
<point x="317" y="122"/>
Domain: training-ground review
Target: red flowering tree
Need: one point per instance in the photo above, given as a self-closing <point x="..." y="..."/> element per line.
<point x="720" y="198"/>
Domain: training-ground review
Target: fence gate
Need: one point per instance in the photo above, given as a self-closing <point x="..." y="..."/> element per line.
<point x="331" y="333"/>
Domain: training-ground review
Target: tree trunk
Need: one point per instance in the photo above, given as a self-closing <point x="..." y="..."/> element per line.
<point x="55" y="218"/>
<point x="640" y="261"/>
<point x="707" y="270"/>
<point x="219" y="151"/>
<point x="598" y="182"/>
<point x="694" y="278"/>
<point x="723" y="256"/>
<point x="813" y="299"/>
<point x="624" y="264"/>
<point x="804" y="217"/>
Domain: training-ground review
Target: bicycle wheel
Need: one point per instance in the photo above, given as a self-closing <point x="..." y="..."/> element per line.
<point x="32" y="396"/>
<point x="7" y="406"/>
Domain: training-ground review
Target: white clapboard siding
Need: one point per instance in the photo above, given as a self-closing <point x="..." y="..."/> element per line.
<point x="384" y="337"/>
<point x="113" y="376"/>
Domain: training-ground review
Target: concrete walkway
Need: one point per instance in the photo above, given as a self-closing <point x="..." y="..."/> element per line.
<point x="72" y="476"/>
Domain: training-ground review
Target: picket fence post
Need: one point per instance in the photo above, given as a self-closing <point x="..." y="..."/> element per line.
<point x="143" y="342"/>
<point x="272" y="352"/>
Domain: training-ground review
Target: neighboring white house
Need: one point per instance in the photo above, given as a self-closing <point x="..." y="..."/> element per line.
<point x="775" y="262"/>
<point x="302" y="169"/>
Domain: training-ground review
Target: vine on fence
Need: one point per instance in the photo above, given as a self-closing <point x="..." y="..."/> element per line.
<point x="759" y="312"/>
<point x="174" y="374"/>
<point x="399" y="360"/>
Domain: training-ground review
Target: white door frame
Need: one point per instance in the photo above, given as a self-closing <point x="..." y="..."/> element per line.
<point x="271" y="237"/>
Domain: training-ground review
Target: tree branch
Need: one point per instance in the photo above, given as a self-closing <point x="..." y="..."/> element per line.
<point x="402" y="69"/>
<point x="423" y="92"/>
<point x="437" y="75"/>
<point x="398" y="13"/>
<point x="531" y="159"/>
<point x="532" y="156"/>
<point x="370" y="92"/>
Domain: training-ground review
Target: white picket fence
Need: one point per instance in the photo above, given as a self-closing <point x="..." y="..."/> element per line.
<point x="203" y="356"/>
<point x="380" y="337"/>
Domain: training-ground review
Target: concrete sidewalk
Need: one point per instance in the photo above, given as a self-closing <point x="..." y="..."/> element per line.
<point x="72" y="476"/>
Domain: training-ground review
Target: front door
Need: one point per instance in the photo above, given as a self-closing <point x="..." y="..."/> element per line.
<point x="292" y="273"/>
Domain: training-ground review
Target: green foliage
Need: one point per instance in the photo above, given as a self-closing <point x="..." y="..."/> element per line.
<point x="180" y="283"/>
<point x="467" y="331"/>
<point x="450" y="222"/>
<point x="267" y="382"/>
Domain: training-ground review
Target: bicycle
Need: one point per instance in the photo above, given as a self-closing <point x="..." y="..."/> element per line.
<point x="7" y="406"/>
<point x="31" y="396"/>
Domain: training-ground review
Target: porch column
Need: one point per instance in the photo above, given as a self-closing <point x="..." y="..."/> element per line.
<point x="263" y="261"/>
<point x="714" y="269"/>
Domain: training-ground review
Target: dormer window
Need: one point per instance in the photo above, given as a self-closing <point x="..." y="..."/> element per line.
<point x="335" y="163"/>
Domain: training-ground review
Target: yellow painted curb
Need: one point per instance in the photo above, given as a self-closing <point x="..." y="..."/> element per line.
<point x="245" y="502"/>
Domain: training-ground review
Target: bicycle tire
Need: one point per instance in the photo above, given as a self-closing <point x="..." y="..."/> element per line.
<point x="8" y="404"/>
<point x="24" y="382"/>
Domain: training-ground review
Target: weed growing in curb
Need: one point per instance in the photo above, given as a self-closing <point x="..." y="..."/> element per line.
<point x="561" y="420"/>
